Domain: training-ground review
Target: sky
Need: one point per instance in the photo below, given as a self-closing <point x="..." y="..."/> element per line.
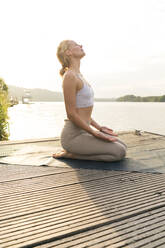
<point x="124" y="42"/>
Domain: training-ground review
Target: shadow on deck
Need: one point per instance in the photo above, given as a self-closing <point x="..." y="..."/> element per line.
<point x="69" y="203"/>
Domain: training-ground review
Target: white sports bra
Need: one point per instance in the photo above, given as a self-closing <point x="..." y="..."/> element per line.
<point x="85" y="96"/>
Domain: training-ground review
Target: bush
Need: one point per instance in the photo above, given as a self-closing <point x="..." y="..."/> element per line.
<point x="4" y="104"/>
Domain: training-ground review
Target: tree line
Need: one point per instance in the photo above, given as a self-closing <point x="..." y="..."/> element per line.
<point x="133" y="98"/>
<point x="4" y="104"/>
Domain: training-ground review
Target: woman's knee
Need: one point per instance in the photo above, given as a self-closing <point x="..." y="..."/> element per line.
<point x="120" y="152"/>
<point x="123" y="152"/>
<point x="121" y="142"/>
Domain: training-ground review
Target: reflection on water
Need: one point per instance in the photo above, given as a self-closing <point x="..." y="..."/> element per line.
<point x="46" y="119"/>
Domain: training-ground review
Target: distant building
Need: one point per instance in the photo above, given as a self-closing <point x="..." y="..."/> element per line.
<point x="26" y="98"/>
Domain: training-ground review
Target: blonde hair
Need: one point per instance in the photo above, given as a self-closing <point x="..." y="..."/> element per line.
<point x="62" y="57"/>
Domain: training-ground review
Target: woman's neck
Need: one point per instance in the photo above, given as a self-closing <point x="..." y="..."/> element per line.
<point x="75" y="66"/>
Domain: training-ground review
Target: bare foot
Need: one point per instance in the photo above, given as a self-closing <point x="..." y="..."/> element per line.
<point x="63" y="154"/>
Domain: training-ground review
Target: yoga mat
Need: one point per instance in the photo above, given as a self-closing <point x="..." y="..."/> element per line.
<point x="34" y="155"/>
<point x="146" y="153"/>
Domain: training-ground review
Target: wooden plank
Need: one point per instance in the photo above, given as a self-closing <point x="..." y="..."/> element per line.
<point x="49" y="217"/>
<point x="125" y="233"/>
<point x="25" y="141"/>
<point x="10" y="173"/>
<point x="86" y="185"/>
<point x="61" y="178"/>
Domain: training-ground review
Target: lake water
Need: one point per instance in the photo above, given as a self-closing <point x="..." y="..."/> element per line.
<point x="46" y="119"/>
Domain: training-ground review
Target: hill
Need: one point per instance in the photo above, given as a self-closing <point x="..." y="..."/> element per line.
<point x="37" y="95"/>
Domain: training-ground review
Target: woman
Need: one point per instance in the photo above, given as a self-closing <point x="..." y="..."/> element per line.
<point x="78" y="138"/>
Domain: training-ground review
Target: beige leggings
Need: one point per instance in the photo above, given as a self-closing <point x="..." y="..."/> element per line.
<point x="88" y="147"/>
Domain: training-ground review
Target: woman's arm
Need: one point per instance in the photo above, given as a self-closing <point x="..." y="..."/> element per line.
<point x="95" y="124"/>
<point x="102" y="128"/>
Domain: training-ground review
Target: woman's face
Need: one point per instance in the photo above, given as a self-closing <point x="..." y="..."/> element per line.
<point x="76" y="50"/>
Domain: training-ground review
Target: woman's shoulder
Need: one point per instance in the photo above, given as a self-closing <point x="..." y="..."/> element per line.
<point x="69" y="74"/>
<point x="70" y="79"/>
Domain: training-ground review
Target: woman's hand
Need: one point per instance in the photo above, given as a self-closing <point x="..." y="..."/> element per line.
<point x="104" y="136"/>
<point x="108" y="131"/>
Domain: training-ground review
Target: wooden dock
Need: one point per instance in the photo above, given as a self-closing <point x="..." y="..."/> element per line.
<point x="69" y="204"/>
